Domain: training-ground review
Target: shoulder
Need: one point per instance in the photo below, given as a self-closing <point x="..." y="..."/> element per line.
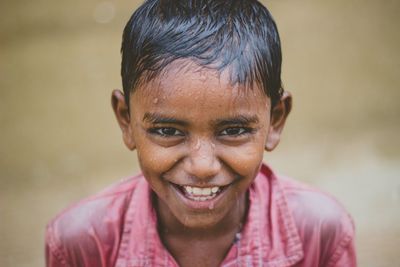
<point x="92" y="226"/>
<point x="311" y="206"/>
<point x="322" y="222"/>
<point x="108" y="205"/>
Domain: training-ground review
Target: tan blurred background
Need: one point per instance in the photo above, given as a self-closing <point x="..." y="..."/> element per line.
<point x="59" y="142"/>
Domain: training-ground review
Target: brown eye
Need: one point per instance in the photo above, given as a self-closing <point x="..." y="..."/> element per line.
<point x="235" y="131"/>
<point x="166" y="131"/>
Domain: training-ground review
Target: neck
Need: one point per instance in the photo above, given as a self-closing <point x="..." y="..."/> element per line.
<point x="170" y="227"/>
<point x="200" y="246"/>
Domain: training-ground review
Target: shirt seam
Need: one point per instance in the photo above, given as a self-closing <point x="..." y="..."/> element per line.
<point x="126" y="230"/>
<point x="340" y="249"/>
<point x="291" y="230"/>
<point x="54" y="247"/>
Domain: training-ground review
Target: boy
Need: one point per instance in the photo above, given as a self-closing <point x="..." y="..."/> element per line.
<point x="202" y="101"/>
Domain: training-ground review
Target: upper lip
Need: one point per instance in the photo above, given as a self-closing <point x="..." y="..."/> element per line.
<point x="202" y="185"/>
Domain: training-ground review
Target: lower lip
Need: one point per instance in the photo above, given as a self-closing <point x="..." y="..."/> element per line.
<point x="209" y="204"/>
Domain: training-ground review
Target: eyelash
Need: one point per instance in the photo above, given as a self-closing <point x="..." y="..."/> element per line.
<point x="160" y="131"/>
<point x="241" y="131"/>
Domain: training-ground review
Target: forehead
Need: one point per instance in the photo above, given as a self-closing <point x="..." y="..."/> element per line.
<point x="185" y="87"/>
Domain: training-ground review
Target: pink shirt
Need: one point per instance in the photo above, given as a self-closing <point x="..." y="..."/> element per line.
<point x="288" y="224"/>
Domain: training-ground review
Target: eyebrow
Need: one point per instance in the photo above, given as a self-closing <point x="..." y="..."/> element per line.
<point x="157" y="118"/>
<point x="237" y="120"/>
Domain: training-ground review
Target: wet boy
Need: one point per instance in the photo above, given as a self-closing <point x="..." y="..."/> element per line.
<point x="202" y="101"/>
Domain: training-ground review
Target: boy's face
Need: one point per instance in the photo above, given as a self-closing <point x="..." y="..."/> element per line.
<point x="200" y="140"/>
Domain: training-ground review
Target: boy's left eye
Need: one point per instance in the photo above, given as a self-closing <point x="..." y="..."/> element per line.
<point x="235" y="131"/>
<point x="166" y="131"/>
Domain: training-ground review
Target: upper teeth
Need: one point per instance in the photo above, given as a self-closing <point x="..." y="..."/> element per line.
<point x="192" y="190"/>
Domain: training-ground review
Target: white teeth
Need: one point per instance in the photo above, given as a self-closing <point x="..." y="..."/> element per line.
<point x="189" y="189"/>
<point x="206" y="191"/>
<point x="197" y="191"/>
<point x="201" y="194"/>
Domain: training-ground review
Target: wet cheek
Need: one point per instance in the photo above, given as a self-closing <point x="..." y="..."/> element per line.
<point x="156" y="160"/>
<point x="244" y="161"/>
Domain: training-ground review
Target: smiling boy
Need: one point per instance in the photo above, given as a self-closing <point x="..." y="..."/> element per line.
<point x="202" y="101"/>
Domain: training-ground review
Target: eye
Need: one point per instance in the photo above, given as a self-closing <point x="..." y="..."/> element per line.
<point x="235" y="131"/>
<point x="166" y="131"/>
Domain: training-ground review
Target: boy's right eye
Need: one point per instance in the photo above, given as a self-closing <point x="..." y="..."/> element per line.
<point x="166" y="131"/>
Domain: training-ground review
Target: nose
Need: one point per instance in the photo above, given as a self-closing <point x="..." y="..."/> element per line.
<point x="202" y="161"/>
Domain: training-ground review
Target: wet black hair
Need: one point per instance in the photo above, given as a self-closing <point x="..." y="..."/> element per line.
<point x="238" y="34"/>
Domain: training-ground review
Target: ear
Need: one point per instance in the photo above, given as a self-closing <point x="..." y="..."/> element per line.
<point x="279" y="114"/>
<point x="121" y="111"/>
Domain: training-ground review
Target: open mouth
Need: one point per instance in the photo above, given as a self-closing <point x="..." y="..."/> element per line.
<point x="200" y="193"/>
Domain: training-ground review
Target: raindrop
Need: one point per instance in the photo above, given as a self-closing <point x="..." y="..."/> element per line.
<point x="203" y="76"/>
<point x="211" y="206"/>
<point x="155" y="100"/>
<point x="197" y="145"/>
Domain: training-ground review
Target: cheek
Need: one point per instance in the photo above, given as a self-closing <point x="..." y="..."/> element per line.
<point x="244" y="160"/>
<point x="247" y="158"/>
<point x="156" y="160"/>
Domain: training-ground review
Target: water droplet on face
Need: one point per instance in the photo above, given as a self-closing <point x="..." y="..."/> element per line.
<point x="203" y="76"/>
<point x="211" y="206"/>
<point x="197" y="145"/>
<point x="155" y="100"/>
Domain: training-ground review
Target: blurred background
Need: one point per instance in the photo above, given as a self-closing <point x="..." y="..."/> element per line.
<point x="59" y="61"/>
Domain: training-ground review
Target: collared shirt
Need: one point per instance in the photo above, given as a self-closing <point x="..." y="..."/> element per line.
<point x="288" y="224"/>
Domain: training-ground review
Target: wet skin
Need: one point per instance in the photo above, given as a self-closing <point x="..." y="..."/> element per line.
<point x="191" y="126"/>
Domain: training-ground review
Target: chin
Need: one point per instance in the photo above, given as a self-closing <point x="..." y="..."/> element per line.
<point x="199" y="221"/>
